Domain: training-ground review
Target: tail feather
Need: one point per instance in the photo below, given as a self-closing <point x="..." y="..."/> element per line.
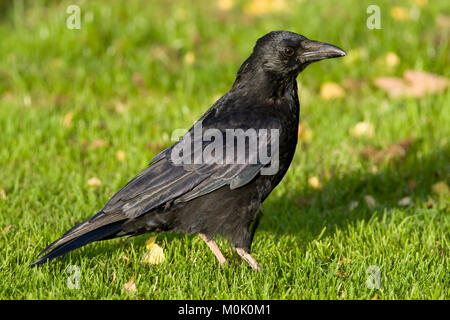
<point x="102" y="233"/>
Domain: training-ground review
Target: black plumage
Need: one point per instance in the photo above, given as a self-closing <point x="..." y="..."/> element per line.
<point x="214" y="198"/>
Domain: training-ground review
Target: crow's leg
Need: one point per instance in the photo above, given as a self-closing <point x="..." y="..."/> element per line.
<point x="248" y="257"/>
<point x="214" y="248"/>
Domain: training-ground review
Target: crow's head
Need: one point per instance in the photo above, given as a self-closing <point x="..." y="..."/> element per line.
<point x="288" y="53"/>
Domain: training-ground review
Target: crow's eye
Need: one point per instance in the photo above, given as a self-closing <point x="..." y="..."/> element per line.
<point x="288" y="51"/>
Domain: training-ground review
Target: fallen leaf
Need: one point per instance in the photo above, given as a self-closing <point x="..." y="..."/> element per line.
<point x="155" y="254"/>
<point x="370" y="201"/>
<point x="261" y="7"/>
<point x="440" y="188"/>
<point x="98" y="143"/>
<point x="392" y="60"/>
<point x="189" y="58"/>
<point x="130" y="286"/>
<point x="422" y="3"/>
<point x="443" y="21"/>
<point x="113" y="276"/>
<point x="94" y="182"/>
<point x="406" y="201"/>
<point x="67" y="121"/>
<point x="304" y="133"/>
<point x="3" y="194"/>
<point x="120" y="155"/>
<point x="415" y="84"/>
<point x="138" y="80"/>
<point x="225" y="5"/>
<point x="120" y="107"/>
<point x="363" y="129"/>
<point x="331" y="90"/>
<point x="7" y="228"/>
<point x="126" y="259"/>
<point x="400" y="13"/>
<point x="314" y="183"/>
<point x="353" y="205"/>
<point x="353" y="85"/>
<point x="27" y="100"/>
<point x="395" y="151"/>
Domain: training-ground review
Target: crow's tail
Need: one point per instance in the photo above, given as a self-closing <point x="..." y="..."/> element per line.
<point x="105" y="232"/>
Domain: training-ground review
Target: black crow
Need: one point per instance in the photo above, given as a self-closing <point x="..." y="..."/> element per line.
<point x="183" y="191"/>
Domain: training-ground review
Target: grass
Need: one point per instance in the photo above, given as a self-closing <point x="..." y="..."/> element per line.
<point x="137" y="70"/>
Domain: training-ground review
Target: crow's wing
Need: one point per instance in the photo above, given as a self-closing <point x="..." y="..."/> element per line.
<point x="165" y="180"/>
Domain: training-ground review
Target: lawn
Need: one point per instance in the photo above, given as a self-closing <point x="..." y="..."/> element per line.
<point x="363" y="212"/>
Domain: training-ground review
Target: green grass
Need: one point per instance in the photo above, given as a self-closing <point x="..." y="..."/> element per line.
<point x="124" y="78"/>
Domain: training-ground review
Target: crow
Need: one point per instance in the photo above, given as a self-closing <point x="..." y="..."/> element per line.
<point x="195" y="188"/>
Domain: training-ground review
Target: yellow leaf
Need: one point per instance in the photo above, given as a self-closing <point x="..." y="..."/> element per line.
<point x="94" y="182"/>
<point x="422" y="3"/>
<point x="3" y="194"/>
<point x="120" y="155"/>
<point x="225" y="5"/>
<point x="130" y="286"/>
<point x="314" y="183"/>
<point x="392" y="59"/>
<point x="67" y="121"/>
<point x="189" y="58"/>
<point x="400" y="13"/>
<point x="441" y="188"/>
<point x="363" y="129"/>
<point x="406" y="201"/>
<point x="155" y="254"/>
<point x="331" y="90"/>
<point x="98" y="143"/>
<point x="304" y="133"/>
<point x="260" y="7"/>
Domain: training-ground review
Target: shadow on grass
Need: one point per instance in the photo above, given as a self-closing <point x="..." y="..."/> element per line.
<point x="305" y="213"/>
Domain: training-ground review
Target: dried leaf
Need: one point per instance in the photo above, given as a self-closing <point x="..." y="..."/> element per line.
<point x="6" y="229"/>
<point x="120" y="155"/>
<point x="261" y="7"/>
<point x="126" y="259"/>
<point x="314" y="183"/>
<point x="363" y="129"/>
<point x="225" y="5"/>
<point x="440" y="188"/>
<point x="67" y="121"/>
<point x="304" y="133"/>
<point x="395" y="151"/>
<point x="400" y="13"/>
<point x="415" y="84"/>
<point x="392" y="60"/>
<point x="120" y="107"/>
<point x="3" y="194"/>
<point x="443" y="21"/>
<point x="406" y="201"/>
<point x="27" y="100"/>
<point x="189" y="58"/>
<point x="138" y="80"/>
<point x="98" y="143"/>
<point x="130" y="286"/>
<point x="155" y="254"/>
<point x="94" y="182"/>
<point x="331" y="90"/>
<point x="370" y="201"/>
<point x="353" y="205"/>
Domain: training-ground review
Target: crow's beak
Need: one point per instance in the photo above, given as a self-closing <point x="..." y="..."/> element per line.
<point x="316" y="51"/>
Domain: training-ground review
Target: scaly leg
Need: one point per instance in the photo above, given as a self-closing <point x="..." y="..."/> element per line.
<point x="248" y="257"/>
<point x="214" y="248"/>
